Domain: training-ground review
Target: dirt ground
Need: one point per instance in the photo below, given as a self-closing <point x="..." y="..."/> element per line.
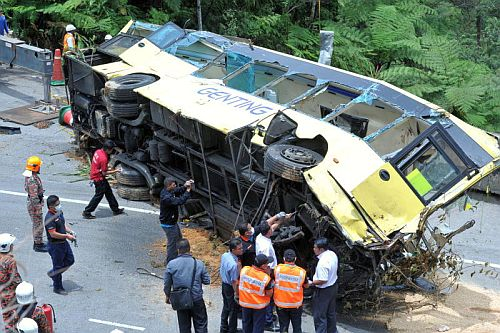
<point x="204" y="246"/>
<point x="469" y="309"/>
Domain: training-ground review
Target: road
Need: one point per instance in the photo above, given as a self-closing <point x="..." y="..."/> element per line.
<point x="106" y="292"/>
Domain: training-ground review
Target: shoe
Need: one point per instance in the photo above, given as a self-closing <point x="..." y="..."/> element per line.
<point x="272" y="327"/>
<point x="119" y="211"/>
<point x="40" y="247"/>
<point x="60" y="291"/>
<point x="88" y="216"/>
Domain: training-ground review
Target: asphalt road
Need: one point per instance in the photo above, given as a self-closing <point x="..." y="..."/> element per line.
<point x="105" y="289"/>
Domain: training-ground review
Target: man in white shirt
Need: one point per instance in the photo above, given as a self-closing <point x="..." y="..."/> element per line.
<point x="325" y="281"/>
<point x="264" y="245"/>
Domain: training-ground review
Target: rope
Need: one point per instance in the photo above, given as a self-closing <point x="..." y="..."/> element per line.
<point x="144" y="271"/>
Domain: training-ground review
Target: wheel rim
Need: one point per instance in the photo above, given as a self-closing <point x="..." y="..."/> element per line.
<point x="298" y="155"/>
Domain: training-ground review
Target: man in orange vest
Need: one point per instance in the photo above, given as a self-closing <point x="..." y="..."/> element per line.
<point x="254" y="292"/>
<point x="69" y="39"/>
<point x="289" y="283"/>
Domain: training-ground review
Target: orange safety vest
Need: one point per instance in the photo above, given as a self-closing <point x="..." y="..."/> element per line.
<point x="288" y="291"/>
<point x="66" y="37"/>
<point x="252" y="288"/>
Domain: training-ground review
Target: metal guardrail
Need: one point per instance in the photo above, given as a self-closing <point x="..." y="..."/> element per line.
<point x="16" y="52"/>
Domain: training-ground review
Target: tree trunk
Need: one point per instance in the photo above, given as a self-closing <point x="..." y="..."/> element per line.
<point x="478" y="29"/>
<point x="313" y="9"/>
<point x="198" y="12"/>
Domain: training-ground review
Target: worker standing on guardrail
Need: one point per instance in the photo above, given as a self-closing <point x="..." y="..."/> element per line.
<point x="4" y="29"/>
<point x="98" y="172"/>
<point x="69" y="39"/>
<point x="33" y="186"/>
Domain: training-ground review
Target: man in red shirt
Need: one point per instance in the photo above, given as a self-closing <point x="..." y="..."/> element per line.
<point x="98" y="172"/>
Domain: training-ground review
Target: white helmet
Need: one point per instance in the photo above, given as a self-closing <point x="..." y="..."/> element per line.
<point x="25" y="293"/>
<point x="6" y="241"/>
<point x="108" y="37"/>
<point x="70" y="27"/>
<point x="27" y="325"/>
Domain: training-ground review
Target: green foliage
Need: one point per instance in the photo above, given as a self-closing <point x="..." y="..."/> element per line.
<point x="445" y="51"/>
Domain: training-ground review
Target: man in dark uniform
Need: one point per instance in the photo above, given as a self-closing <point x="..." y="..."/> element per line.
<point x="60" y="251"/>
<point x="98" y="172"/>
<point x="171" y="197"/>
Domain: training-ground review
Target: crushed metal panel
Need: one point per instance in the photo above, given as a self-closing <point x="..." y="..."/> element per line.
<point x="214" y="105"/>
<point x="348" y="168"/>
<point x="110" y="69"/>
<point x="338" y="204"/>
<point x="166" y="64"/>
<point x="488" y="142"/>
<point x="390" y="203"/>
<point x="140" y="53"/>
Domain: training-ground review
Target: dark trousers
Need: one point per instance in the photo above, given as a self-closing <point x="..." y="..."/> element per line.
<point x="285" y="316"/>
<point x="199" y="316"/>
<point x="173" y="235"/>
<point x="229" y="315"/>
<point x="102" y="189"/>
<point x="62" y="259"/>
<point x="254" y="320"/>
<point x="324" y="312"/>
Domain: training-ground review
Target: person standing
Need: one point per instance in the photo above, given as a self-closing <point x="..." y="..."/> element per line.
<point x="254" y="293"/>
<point x="171" y="197"/>
<point x="325" y="295"/>
<point x="4" y="28"/>
<point x="98" y="172"/>
<point x="58" y="232"/>
<point x="230" y="273"/>
<point x="9" y="280"/>
<point x="69" y="42"/>
<point x="179" y="274"/>
<point x="25" y="295"/>
<point x="289" y="283"/>
<point x="33" y="186"/>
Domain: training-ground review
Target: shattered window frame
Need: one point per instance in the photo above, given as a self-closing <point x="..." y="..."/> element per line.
<point x="403" y="160"/>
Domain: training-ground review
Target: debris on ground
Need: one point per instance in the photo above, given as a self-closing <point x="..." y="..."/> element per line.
<point x="43" y="124"/>
<point x="468" y="309"/>
<point x="10" y="130"/>
<point x="204" y="246"/>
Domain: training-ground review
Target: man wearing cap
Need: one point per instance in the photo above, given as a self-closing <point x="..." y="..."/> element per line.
<point x="98" y="172"/>
<point x="254" y="292"/>
<point x="289" y="283"/>
<point x="325" y="281"/>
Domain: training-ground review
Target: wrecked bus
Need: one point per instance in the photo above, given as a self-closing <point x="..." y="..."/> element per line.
<point x="360" y="161"/>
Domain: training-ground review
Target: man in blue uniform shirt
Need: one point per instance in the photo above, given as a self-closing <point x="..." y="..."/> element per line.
<point x="230" y="273"/>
